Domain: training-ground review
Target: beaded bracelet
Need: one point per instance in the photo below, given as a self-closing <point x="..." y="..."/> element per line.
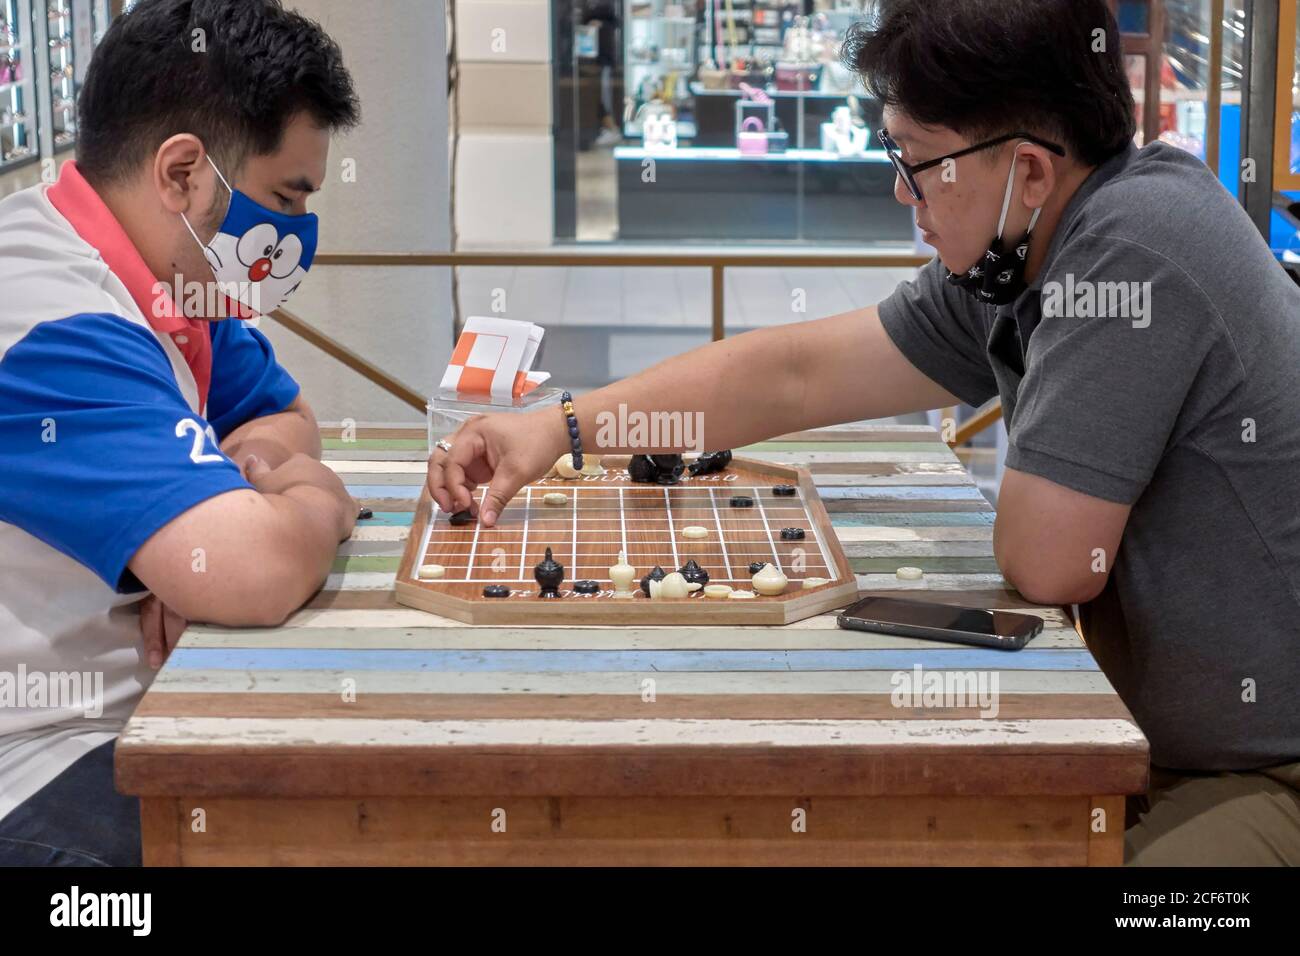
<point x="566" y="402"/>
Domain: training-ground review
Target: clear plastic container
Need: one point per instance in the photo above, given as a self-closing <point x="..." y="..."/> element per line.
<point x="449" y="410"/>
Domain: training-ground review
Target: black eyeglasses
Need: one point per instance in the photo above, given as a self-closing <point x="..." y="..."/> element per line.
<point x="908" y="172"/>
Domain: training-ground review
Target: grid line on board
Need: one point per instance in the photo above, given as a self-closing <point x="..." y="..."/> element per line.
<point x="523" y="545"/>
<point x="424" y="548"/>
<point x="575" y="530"/>
<point x="722" y="538"/>
<point x="584" y="561"/>
<point x="821" y="544"/>
<point x="768" y="525"/>
<point x="622" y="519"/>
<point x="672" y="531"/>
<point x="473" y="549"/>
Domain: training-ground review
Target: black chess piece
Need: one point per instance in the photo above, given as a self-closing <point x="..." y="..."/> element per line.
<point x="670" y="468"/>
<point x="709" y="462"/>
<point x="548" y="574"/>
<point x="658" y="574"/>
<point x="694" y="574"/>
<point x="461" y="518"/>
<point x="656" y="469"/>
<point x="757" y="566"/>
<point x="742" y="501"/>
<point x="792" y="534"/>
<point x="784" y="491"/>
<point x="642" y="470"/>
<point x="586" y="586"/>
<point x="496" y="591"/>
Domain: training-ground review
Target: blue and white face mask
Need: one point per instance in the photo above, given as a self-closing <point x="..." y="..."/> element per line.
<point x="259" y="256"/>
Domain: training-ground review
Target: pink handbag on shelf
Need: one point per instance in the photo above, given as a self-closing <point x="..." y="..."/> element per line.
<point x="751" y="131"/>
<point x="752" y="138"/>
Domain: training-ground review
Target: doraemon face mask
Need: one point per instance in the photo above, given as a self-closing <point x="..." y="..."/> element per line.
<point x="259" y="256"/>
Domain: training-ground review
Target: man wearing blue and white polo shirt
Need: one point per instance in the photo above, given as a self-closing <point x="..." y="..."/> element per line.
<point x="156" y="464"/>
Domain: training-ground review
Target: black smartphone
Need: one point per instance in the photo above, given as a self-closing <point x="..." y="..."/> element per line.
<point x="942" y="622"/>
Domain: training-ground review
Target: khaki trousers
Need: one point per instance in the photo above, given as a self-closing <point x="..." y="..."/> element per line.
<point x="1216" y="819"/>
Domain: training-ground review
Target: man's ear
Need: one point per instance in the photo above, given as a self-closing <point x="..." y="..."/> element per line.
<point x="181" y="173"/>
<point x="1040" y="180"/>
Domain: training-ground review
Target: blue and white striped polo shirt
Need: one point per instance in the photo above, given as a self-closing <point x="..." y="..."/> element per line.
<point x="112" y="406"/>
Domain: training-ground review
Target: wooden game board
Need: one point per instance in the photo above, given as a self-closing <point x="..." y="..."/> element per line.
<point x="611" y="513"/>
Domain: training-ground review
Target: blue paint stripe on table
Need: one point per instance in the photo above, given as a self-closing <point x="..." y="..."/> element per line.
<point x="576" y="661"/>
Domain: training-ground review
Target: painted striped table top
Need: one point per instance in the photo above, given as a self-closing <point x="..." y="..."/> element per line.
<point x="356" y="695"/>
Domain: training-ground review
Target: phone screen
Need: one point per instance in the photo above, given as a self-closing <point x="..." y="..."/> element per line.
<point x="912" y="616"/>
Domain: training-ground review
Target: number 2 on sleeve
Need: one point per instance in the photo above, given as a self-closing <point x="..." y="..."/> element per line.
<point x="197" y="455"/>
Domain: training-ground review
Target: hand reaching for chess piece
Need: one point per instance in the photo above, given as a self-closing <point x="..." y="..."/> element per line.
<point x="506" y="451"/>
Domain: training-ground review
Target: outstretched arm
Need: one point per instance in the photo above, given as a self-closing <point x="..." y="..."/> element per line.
<point x="747" y="388"/>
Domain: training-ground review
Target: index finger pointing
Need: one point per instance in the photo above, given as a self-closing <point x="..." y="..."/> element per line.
<point x="437" y="480"/>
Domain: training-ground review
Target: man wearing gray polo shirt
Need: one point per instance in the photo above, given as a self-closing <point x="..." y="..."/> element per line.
<point x="1146" y="349"/>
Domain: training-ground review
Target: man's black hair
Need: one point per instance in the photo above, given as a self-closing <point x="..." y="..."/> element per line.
<point x="987" y="67"/>
<point x="232" y="72"/>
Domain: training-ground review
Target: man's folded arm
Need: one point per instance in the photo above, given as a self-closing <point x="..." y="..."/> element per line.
<point x="102" y="458"/>
<point x="277" y="437"/>
<point x="244" y="559"/>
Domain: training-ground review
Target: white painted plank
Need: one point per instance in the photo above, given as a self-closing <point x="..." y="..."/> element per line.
<point x="199" y="733"/>
<point x="400" y="533"/>
<point x="591" y="682"/>
<point x="931" y="582"/>
<point x="596" y="639"/>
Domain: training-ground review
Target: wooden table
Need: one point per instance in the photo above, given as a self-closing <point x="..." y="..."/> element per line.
<point x="361" y="732"/>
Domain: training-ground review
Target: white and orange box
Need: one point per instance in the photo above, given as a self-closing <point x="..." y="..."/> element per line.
<point x="494" y="356"/>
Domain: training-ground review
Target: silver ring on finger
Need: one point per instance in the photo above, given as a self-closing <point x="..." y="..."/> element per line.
<point x="443" y="444"/>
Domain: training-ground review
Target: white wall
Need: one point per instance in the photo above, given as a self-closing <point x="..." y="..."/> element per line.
<point x="400" y="318"/>
<point x="504" y="178"/>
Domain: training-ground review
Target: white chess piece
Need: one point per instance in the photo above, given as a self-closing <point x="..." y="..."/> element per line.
<point x="622" y="574"/>
<point x="673" y="585"/>
<point x="769" y="581"/>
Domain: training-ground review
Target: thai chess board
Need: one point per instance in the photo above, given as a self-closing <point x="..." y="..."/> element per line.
<point x="608" y="514"/>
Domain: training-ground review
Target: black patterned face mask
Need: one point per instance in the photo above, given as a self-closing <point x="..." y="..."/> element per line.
<point x="998" y="276"/>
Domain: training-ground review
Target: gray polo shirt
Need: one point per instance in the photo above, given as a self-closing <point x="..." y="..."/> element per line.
<point x="1155" y="361"/>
